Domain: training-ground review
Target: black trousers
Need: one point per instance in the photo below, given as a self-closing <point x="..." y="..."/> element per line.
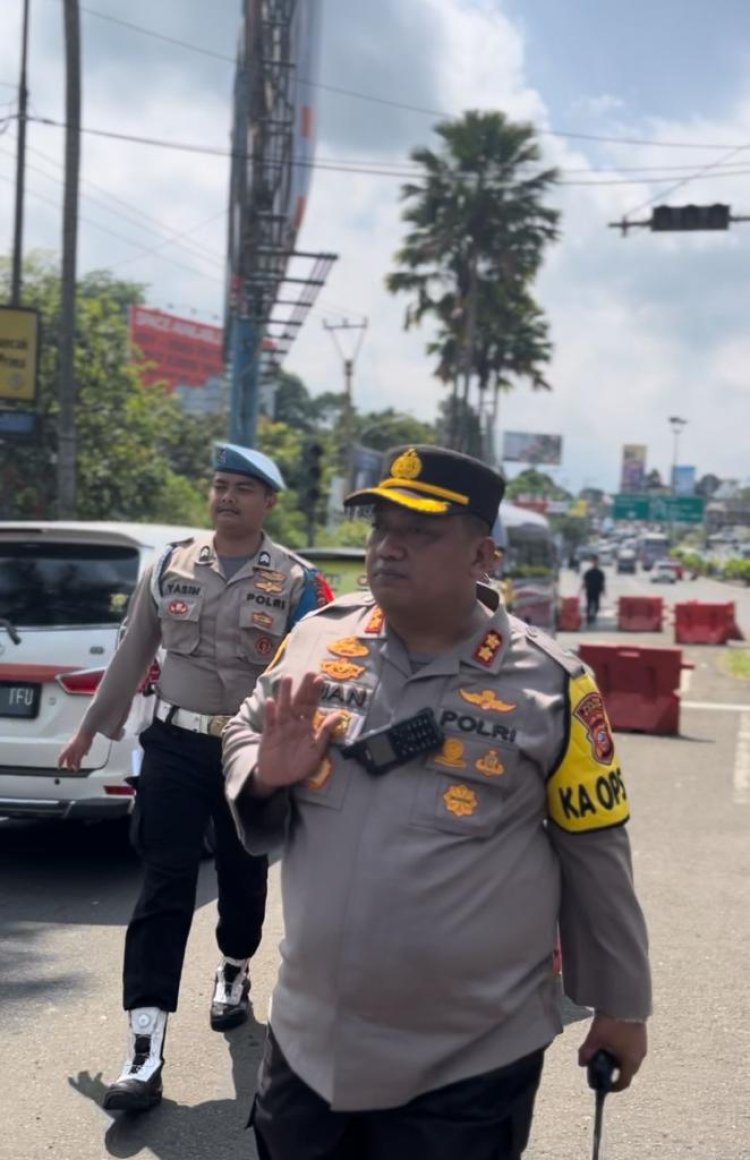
<point x="487" y="1117"/>
<point x="180" y="788"/>
<point x="593" y="600"/>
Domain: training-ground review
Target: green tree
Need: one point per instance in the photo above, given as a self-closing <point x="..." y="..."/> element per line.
<point x="478" y="229"/>
<point x="536" y="483"/>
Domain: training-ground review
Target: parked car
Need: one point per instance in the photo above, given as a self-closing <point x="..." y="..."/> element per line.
<point x="663" y="573"/>
<point x="627" y="561"/>
<point x="64" y="590"/>
<point x="677" y="566"/>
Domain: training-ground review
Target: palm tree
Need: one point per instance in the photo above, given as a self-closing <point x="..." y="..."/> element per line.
<point x="478" y="231"/>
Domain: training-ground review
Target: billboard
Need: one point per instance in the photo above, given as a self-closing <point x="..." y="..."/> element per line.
<point x="19" y="353"/>
<point x="683" y="480"/>
<point x="184" y="353"/>
<point x="526" y="447"/>
<point x="633" y="473"/>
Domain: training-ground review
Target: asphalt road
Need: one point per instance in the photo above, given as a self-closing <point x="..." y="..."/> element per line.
<point x="65" y="896"/>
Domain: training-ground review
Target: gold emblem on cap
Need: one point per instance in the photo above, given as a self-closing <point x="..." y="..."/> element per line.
<point x="460" y="800"/>
<point x="407" y="466"/>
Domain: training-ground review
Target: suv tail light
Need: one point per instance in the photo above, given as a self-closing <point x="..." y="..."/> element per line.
<point x="84" y="683"/>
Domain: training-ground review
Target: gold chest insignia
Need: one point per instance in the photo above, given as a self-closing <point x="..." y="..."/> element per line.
<point x="271" y="574"/>
<point x="490" y="764"/>
<point x="461" y="801"/>
<point x="348" y="646"/>
<point x="486" y="700"/>
<point x="452" y="754"/>
<point x="339" y="733"/>
<point x="375" y="623"/>
<point x="267" y="585"/>
<point x="488" y="648"/>
<point x="407" y="466"/>
<point x="261" y="620"/>
<point x="342" y="670"/>
<point x="321" y="776"/>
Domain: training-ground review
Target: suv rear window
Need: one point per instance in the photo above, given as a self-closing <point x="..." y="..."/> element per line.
<point x="45" y="585"/>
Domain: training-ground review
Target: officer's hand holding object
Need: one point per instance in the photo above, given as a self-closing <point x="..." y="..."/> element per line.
<point x="627" y="1042"/>
<point x="293" y="742"/>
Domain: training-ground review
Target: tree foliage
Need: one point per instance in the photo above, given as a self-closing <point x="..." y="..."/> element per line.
<point x="477" y="231"/>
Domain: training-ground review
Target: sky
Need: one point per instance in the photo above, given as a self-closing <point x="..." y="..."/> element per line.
<point x="629" y="100"/>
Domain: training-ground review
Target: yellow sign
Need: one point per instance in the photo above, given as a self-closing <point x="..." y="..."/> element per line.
<point x="19" y="353"/>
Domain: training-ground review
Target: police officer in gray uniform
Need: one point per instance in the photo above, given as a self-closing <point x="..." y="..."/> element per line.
<point x="219" y="605"/>
<point x="429" y="859"/>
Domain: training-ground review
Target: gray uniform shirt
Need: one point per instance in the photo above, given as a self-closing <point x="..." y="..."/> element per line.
<point x="218" y="634"/>
<point x="421" y="907"/>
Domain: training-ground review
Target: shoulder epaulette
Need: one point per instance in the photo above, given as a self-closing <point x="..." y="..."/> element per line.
<point x="162" y="564"/>
<point x="572" y="664"/>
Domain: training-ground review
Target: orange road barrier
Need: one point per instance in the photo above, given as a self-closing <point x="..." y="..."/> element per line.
<point x="640" y="685"/>
<point x="640" y="613"/>
<point x="697" y="622"/>
<point x="569" y="618"/>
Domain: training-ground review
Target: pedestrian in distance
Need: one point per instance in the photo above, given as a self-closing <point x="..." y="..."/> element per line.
<point x="593" y="584"/>
<point x="218" y="605"/>
<point x="442" y="782"/>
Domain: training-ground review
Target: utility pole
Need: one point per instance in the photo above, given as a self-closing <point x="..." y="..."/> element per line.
<point x="66" y="430"/>
<point x="23" y="101"/>
<point x="349" y="363"/>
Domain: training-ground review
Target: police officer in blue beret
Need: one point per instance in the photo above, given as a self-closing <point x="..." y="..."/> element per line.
<point x="217" y="605"/>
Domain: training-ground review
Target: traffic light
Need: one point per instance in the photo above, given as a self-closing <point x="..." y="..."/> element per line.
<point x="312" y="469"/>
<point x="667" y="218"/>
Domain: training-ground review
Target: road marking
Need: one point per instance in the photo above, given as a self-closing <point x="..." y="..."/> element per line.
<point x="741" y="780"/>
<point x="720" y="706"/>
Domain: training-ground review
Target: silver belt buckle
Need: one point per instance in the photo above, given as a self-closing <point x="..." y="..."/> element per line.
<point x="216" y="725"/>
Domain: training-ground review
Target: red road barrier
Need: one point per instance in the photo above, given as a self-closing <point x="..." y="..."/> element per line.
<point x="640" y="685"/>
<point x="569" y="617"/>
<point x="640" y="613"/>
<point x="697" y="622"/>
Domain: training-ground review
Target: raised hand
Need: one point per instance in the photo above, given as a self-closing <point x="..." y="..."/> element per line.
<point x="292" y="745"/>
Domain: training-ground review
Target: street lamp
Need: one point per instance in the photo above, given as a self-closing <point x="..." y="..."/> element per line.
<point x="677" y="424"/>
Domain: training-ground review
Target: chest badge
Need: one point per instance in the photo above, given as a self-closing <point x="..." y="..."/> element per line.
<point x="452" y="754"/>
<point x="590" y="712"/>
<point x="490" y="764"/>
<point x="487" y="701"/>
<point x="342" y="670"/>
<point x="339" y="733"/>
<point x="375" y="623"/>
<point x="488" y="648"/>
<point x="261" y="620"/>
<point x="264" y="646"/>
<point x="266" y="584"/>
<point x="348" y="646"/>
<point x="321" y="776"/>
<point x="177" y="608"/>
<point x="271" y="574"/>
<point x="460" y="801"/>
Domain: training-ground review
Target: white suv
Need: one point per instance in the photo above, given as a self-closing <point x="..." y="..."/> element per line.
<point x="64" y="589"/>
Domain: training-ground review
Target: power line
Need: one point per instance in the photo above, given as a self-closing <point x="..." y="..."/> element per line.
<point x="387" y="101"/>
<point x="686" y="180"/>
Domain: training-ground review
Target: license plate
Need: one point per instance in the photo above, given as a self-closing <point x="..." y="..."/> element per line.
<point x="19" y="700"/>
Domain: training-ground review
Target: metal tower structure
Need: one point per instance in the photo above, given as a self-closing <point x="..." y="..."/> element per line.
<point x="272" y="154"/>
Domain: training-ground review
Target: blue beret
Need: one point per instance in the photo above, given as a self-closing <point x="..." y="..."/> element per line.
<point x="244" y="461"/>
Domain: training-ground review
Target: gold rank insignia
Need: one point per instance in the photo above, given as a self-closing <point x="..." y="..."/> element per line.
<point x="461" y="801"/>
<point x="321" y="776"/>
<point x="375" y="623"/>
<point x="488" y="648"/>
<point x="486" y="700"/>
<point x="261" y="620"/>
<point x="339" y="733"/>
<point x="271" y="574"/>
<point x="490" y="764"/>
<point x="342" y="670"/>
<point x="407" y="466"/>
<point x="348" y="646"/>
<point x="267" y="585"/>
<point x="452" y="753"/>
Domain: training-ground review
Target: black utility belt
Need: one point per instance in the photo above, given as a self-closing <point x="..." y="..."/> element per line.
<point x="384" y="749"/>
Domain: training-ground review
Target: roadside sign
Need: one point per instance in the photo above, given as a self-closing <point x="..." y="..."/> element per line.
<point x="675" y="509"/>
<point x="17" y="425"/>
<point x="19" y="353"/>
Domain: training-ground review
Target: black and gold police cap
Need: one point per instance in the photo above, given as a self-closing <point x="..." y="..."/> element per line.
<point x="435" y="482"/>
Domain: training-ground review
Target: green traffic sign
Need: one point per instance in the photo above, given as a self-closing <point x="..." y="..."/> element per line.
<point x="668" y="509"/>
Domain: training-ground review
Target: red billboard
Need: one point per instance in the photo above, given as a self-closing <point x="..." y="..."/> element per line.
<point x="177" y="351"/>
